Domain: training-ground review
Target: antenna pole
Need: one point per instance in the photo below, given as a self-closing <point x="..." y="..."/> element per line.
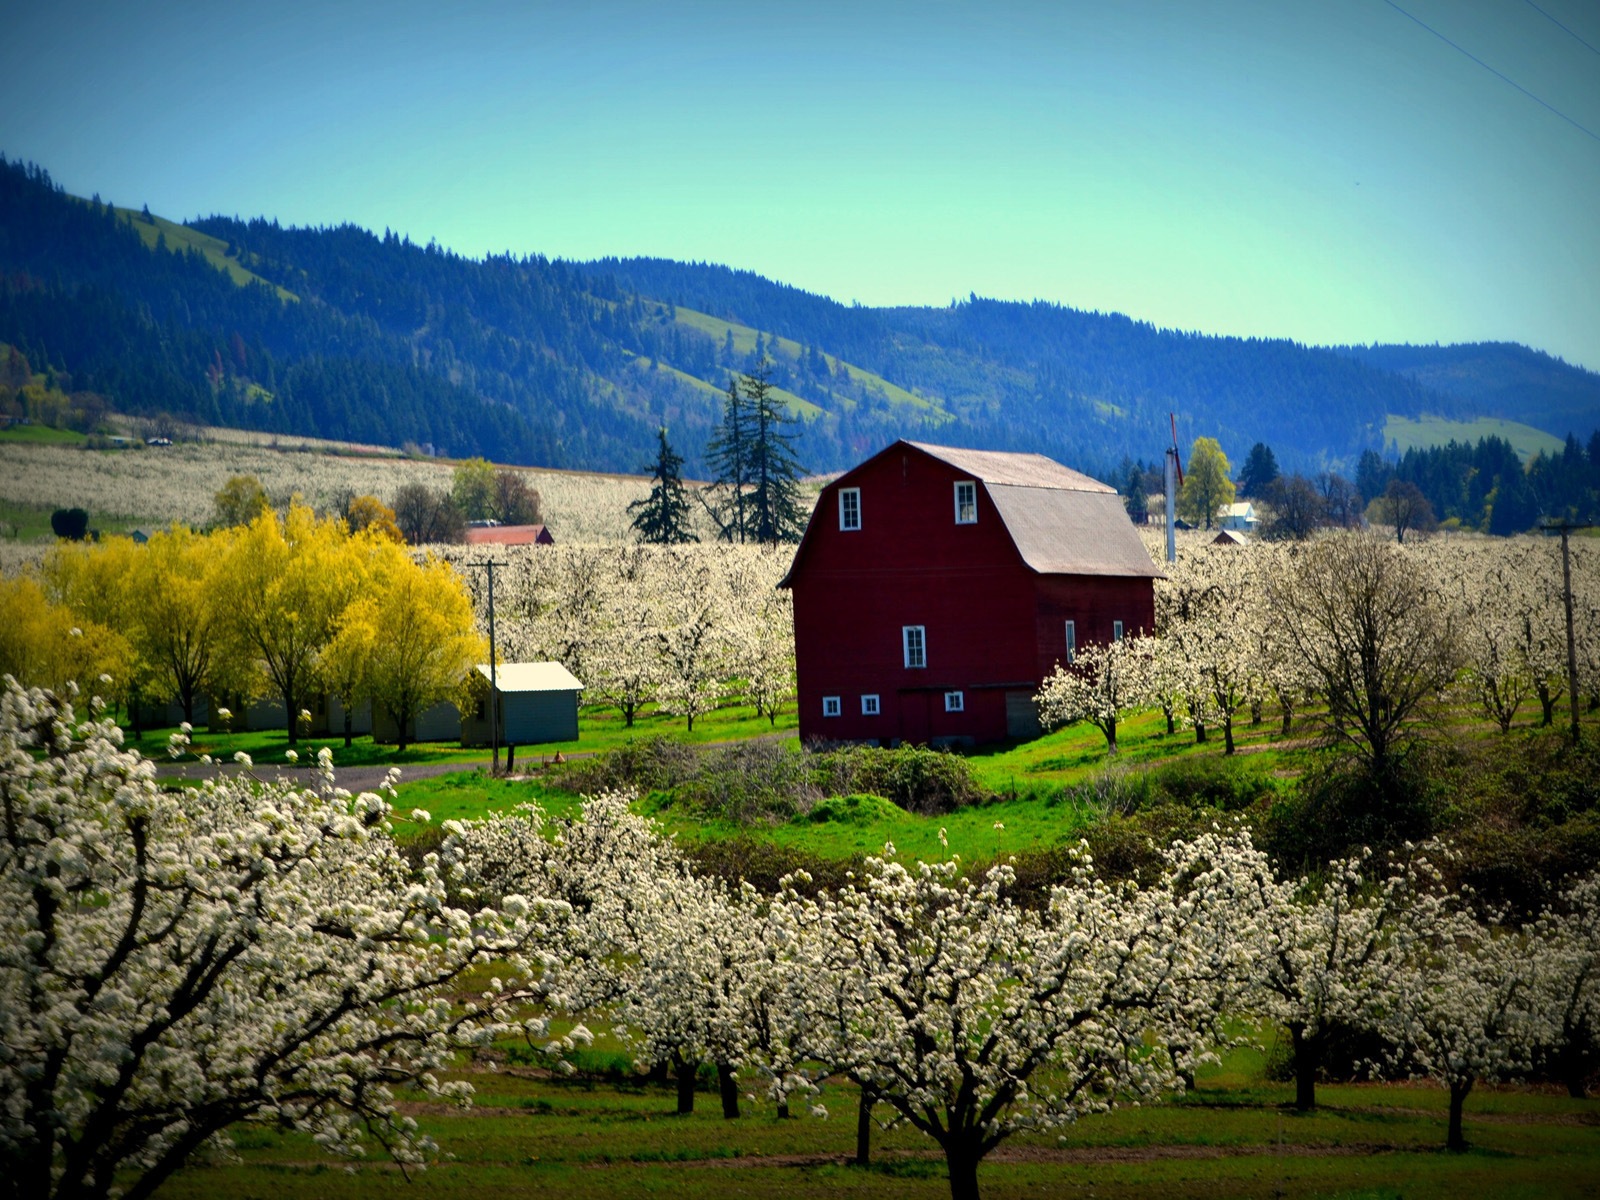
<point x="488" y="567"/>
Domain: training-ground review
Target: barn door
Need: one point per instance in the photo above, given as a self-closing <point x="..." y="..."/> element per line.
<point x="915" y="727"/>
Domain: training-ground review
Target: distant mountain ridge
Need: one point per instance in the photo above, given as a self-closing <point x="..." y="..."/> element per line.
<point x="343" y="333"/>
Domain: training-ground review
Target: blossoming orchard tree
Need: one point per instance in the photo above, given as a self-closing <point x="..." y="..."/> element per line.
<point x="1464" y="1007"/>
<point x="1330" y="953"/>
<point x="973" y="1019"/>
<point x="171" y="965"/>
<point x="1101" y="683"/>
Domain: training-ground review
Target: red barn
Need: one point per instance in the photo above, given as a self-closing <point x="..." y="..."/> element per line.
<point x="936" y="588"/>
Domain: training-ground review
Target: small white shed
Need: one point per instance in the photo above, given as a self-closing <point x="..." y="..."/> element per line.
<point x="538" y="703"/>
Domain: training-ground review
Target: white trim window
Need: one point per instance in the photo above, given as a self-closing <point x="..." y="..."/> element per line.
<point x="1072" y="641"/>
<point x="849" y="509"/>
<point x="914" y="641"/>
<point x="831" y="707"/>
<point x="1116" y="631"/>
<point x="966" y="502"/>
<point x="869" y="704"/>
<point x="955" y="702"/>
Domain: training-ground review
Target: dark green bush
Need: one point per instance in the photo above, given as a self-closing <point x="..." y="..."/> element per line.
<point x="916" y="778"/>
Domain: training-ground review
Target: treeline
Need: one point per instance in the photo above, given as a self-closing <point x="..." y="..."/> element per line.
<point x="543" y="362"/>
<point x="1486" y="487"/>
<point x="163" y="330"/>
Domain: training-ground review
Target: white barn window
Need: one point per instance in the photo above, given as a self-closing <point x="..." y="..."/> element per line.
<point x="830" y="706"/>
<point x="1072" y="641"/>
<point x="849" y="508"/>
<point x="914" y="641"/>
<point x="966" y="502"/>
<point x="869" y="704"/>
<point x="955" y="702"/>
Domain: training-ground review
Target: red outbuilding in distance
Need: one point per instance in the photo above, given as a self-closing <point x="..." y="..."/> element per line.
<point x="936" y="588"/>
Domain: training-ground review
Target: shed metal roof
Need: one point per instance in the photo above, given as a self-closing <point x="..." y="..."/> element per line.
<point x="532" y="677"/>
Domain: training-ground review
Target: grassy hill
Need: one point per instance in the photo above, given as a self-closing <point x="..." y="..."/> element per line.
<point x="1404" y="433"/>
<point x="182" y="237"/>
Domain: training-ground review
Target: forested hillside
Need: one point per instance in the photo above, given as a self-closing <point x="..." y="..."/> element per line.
<point x="1499" y="378"/>
<point x="342" y="333"/>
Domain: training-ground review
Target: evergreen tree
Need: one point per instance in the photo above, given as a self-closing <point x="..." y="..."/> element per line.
<point x="1260" y="469"/>
<point x="663" y="518"/>
<point x="774" y="511"/>
<point x="729" y="456"/>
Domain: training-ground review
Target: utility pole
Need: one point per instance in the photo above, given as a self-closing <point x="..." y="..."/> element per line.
<point x="488" y="567"/>
<point x="1565" y="527"/>
<point x="1172" y="476"/>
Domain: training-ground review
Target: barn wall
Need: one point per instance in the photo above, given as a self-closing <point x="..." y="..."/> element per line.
<point x="995" y="629"/>
<point x="910" y="564"/>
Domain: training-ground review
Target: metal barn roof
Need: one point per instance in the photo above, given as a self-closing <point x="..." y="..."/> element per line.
<point x="532" y="677"/>
<point x="1015" y="469"/>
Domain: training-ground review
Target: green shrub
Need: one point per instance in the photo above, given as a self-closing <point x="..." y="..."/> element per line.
<point x="915" y="778"/>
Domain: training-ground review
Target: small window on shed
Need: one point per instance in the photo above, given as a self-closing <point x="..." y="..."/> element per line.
<point x="955" y="702"/>
<point x="1116" y="631"/>
<point x="849" y="508"/>
<point x="869" y="704"/>
<point x="1072" y="640"/>
<point x="966" y="503"/>
<point x="830" y="706"/>
<point x="914" y="640"/>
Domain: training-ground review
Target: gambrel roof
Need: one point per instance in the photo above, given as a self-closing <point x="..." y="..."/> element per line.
<point x="1061" y="521"/>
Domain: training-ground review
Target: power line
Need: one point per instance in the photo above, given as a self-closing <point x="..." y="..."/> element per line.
<point x="1560" y="26"/>
<point x="1497" y="74"/>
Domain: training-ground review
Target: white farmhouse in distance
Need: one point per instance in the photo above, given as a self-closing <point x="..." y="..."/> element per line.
<point x="1240" y="516"/>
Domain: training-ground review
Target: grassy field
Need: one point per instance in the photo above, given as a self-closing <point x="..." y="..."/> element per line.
<point x="1404" y="434"/>
<point x="532" y="1136"/>
<point x="181" y="237"/>
<point x="599" y="729"/>
<point x="42" y="435"/>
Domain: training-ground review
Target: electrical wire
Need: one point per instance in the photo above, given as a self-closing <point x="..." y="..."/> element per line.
<point x="1497" y="74"/>
<point x="1562" y="27"/>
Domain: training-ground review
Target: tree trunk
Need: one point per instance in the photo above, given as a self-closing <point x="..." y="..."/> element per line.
<point x="1454" y="1141"/>
<point x="1547" y="705"/>
<point x="511" y="757"/>
<point x="1227" y="734"/>
<point x="728" y="1086"/>
<point x="864" y="1127"/>
<point x="1199" y="732"/>
<point x="1172" y="725"/>
<point x="687" y="1069"/>
<point x="1307" y="1053"/>
<point x="349" y="722"/>
<point x="783" y="1110"/>
<point x="1111" y="736"/>
<point x="1255" y="712"/>
<point x="292" y="715"/>
<point x="1288" y="720"/>
<point x="1577" y="1084"/>
<point x="963" y="1165"/>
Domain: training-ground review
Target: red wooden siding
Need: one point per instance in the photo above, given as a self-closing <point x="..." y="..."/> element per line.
<point x="992" y="624"/>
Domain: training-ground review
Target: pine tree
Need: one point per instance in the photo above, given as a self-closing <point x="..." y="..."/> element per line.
<point x="729" y="455"/>
<point x="663" y="518"/>
<point x="1260" y="469"/>
<point x="774" y="511"/>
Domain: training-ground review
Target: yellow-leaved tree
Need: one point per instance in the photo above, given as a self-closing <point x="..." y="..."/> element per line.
<point x="280" y="589"/>
<point x="93" y="582"/>
<point x="414" y="629"/>
<point x="43" y="644"/>
<point x="1206" y="486"/>
<point x="177" y="631"/>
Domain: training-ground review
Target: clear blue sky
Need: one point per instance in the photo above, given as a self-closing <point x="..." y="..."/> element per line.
<point x="1325" y="170"/>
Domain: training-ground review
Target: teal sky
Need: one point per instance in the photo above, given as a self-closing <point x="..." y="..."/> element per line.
<point x="1325" y="171"/>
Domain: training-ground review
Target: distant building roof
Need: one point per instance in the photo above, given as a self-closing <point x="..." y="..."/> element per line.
<point x="1230" y="537"/>
<point x="532" y="677"/>
<point x="1241" y="508"/>
<point x="509" y="535"/>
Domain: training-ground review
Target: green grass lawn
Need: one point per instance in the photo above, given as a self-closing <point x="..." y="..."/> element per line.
<point x="31" y="522"/>
<point x="532" y="1136"/>
<point x="599" y="729"/>
<point x="42" y="435"/>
